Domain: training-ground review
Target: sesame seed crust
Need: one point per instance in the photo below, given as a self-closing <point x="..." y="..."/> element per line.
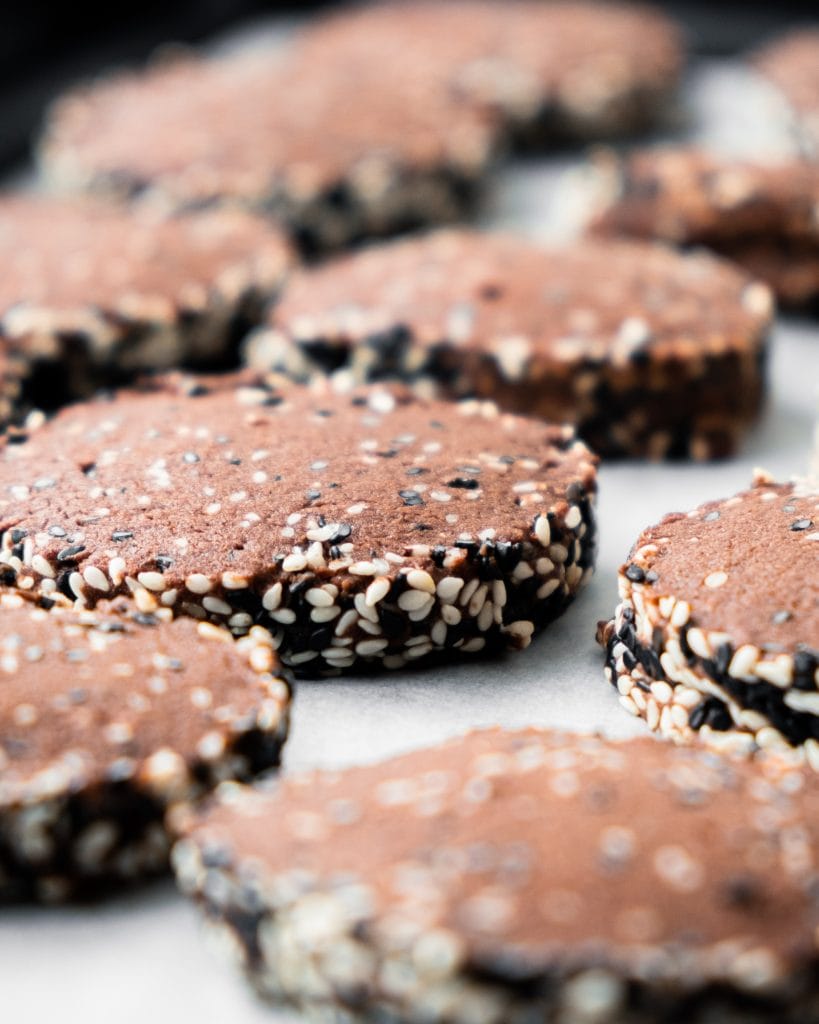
<point x="358" y="154"/>
<point x="760" y="215"/>
<point x="371" y="528"/>
<point x="651" y="353"/>
<point x="97" y="294"/>
<point x="791" y="64"/>
<point x="717" y="633"/>
<point x="106" y="721"/>
<point x="519" y="876"/>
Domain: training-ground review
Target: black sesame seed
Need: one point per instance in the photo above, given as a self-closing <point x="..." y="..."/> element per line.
<point x="652" y="576"/>
<point x="390" y="453"/>
<point x="410" y="497"/>
<point x="711" y="712"/>
<point x="17" y="535"/>
<point x="163" y="562"/>
<point x="802" y="524"/>
<point x="416" y="470"/>
<point x="342" y="533"/>
<point x="197" y="391"/>
<point x="312" y="495"/>
<point x="422" y="527"/>
<point x="635" y="573"/>
<point x="464" y="482"/>
<point x="68" y="553"/>
<point x="145" y="619"/>
<point x="507" y="460"/>
<point x="234" y="462"/>
<point x="120" y="535"/>
<point x="438" y="555"/>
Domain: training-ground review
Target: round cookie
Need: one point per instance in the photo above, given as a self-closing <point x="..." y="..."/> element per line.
<point x="543" y="70"/>
<point x="762" y="216"/>
<point x="717" y="632"/>
<point x="791" y="63"/>
<point x="649" y="352"/>
<point x="360" y="528"/>
<point x="107" y="721"/>
<point x="91" y="294"/>
<point x="353" y="155"/>
<point x="508" y="877"/>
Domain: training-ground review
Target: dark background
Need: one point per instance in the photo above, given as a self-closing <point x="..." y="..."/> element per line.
<point x="45" y="47"/>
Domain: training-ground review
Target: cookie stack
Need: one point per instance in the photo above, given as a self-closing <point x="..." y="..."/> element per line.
<point x="233" y="456"/>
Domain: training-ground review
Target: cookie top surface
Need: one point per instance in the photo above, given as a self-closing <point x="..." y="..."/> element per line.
<point x="592" y="300"/>
<point x="792" y="64"/>
<point x="199" y="129"/>
<point x="67" y="256"/>
<point x="93" y="697"/>
<point x="514" y="57"/>
<point x="741" y="564"/>
<point x="688" y="195"/>
<point x="543" y="851"/>
<point x="231" y="475"/>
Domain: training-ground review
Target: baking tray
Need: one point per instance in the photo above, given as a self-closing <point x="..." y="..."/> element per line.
<point x="145" y="957"/>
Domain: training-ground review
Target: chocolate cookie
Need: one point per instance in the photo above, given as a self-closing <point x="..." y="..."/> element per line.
<point x="762" y="216"/>
<point x="368" y="528"/>
<point x="543" y="70"/>
<point x="104" y="723"/>
<point x="508" y="877"/>
<point x="717" y="632"/>
<point x="650" y="353"/>
<point x="334" y="158"/>
<point x="90" y="294"/>
<point x="791" y="63"/>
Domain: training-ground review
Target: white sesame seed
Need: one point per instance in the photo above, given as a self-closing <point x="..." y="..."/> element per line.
<point x="368" y="648"/>
<point x="96" y="578"/>
<point x="547" y="588"/>
<point x="286" y="616"/>
<point x="543" y="531"/>
<point x="325" y="614"/>
<point x="152" y="581"/>
<point x="272" y="597"/>
<point x="362" y="569"/>
<point x="233" y="581"/>
<point x="213" y="508"/>
<point x="573" y="517"/>
<point x="448" y="589"/>
<point x="216" y="605"/>
<point x="40" y="565"/>
<point x="681" y="614"/>
<point x="418" y="579"/>
<point x="377" y="591"/>
<point x="198" y="584"/>
<point x="294" y="562"/>
<point x="318" y="598"/>
<point x="75" y="582"/>
<point x="716" y="579"/>
<point x="414" y="600"/>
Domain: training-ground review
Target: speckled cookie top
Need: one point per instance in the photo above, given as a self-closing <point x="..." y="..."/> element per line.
<point x="76" y="258"/>
<point x="792" y="64"/>
<point x="688" y="195"/>
<point x="529" y="850"/>
<point x="89" y="698"/>
<point x="515" y="57"/>
<point x="594" y="300"/>
<point x="748" y="566"/>
<point x="233" y="479"/>
<point x="197" y="129"/>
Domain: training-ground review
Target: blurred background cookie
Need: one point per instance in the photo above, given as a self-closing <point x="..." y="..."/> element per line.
<point x="519" y="876"/>
<point x="91" y="295"/>
<point x="760" y="215"/>
<point x="365" y="529"/>
<point x="107" y="721"/>
<point x="791" y="63"/>
<point x="717" y="632"/>
<point x="650" y="353"/>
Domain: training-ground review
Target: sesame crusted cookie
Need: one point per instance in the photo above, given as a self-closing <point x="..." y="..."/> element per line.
<point x="762" y="216"/>
<point x="332" y="157"/>
<point x="649" y="352"/>
<point x="510" y="877"/>
<point x="578" y="70"/>
<point x="91" y="294"/>
<point x="106" y="721"/>
<point x="791" y="63"/>
<point x="717" y="632"/>
<point x="368" y="528"/>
